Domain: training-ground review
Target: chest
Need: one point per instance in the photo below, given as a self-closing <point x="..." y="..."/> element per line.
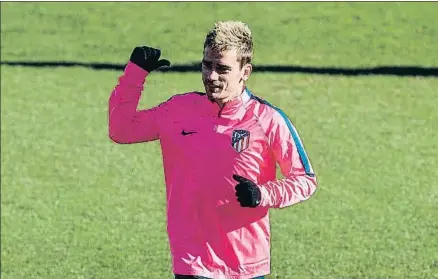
<point x="205" y="151"/>
<point x="213" y="137"/>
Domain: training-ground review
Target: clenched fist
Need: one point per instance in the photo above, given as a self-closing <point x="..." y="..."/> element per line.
<point x="148" y="58"/>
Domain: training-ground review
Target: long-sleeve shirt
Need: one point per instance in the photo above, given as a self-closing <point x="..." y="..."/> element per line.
<point x="203" y="145"/>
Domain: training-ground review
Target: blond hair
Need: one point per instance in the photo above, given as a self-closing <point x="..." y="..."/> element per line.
<point x="231" y="35"/>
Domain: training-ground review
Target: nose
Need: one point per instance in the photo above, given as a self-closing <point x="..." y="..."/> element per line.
<point x="213" y="75"/>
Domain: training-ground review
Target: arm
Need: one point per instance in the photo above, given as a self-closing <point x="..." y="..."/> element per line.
<point x="126" y="124"/>
<point x="299" y="182"/>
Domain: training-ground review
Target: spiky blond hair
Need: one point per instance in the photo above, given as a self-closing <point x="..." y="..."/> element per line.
<point x="231" y="35"/>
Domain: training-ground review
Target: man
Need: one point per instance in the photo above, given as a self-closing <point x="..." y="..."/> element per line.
<point x="220" y="151"/>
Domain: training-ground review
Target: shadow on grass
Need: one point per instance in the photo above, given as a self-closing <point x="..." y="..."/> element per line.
<point x="195" y="67"/>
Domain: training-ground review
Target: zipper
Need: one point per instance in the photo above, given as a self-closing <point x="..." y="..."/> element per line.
<point x="220" y="111"/>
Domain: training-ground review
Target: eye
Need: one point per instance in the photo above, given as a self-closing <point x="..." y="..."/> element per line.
<point x="223" y="70"/>
<point x="206" y="65"/>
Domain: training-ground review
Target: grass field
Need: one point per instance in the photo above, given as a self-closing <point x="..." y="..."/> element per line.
<point x="76" y="205"/>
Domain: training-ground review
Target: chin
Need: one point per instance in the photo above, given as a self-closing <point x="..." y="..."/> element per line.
<point x="210" y="97"/>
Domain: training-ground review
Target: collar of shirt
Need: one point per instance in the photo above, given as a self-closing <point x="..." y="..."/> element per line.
<point x="235" y="107"/>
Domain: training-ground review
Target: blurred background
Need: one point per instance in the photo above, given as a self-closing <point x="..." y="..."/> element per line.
<point x="359" y="81"/>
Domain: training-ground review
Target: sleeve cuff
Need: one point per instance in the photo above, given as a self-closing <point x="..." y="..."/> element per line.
<point x="264" y="196"/>
<point x="133" y="70"/>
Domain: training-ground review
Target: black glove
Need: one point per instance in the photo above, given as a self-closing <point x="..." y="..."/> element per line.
<point x="147" y="58"/>
<point x="247" y="192"/>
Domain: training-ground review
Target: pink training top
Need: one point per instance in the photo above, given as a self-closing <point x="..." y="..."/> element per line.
<point x="210" y="234"/>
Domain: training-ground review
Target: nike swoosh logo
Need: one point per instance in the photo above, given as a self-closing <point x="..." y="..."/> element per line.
<point x="184" y="133"/>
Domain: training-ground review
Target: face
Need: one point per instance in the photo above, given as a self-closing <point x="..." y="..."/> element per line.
<point x="222" y="76"/>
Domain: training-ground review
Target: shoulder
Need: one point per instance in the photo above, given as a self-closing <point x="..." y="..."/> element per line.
<point x="267" y="112"/>
<point x="276" y="123"/>
<point x="189" y="95"/>
<point x="192" y="97"/>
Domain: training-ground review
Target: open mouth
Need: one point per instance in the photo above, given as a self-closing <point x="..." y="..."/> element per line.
<point x="214" y="88"/>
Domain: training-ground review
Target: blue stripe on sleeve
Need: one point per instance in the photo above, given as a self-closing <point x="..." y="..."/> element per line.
<point x="298" y="143"/>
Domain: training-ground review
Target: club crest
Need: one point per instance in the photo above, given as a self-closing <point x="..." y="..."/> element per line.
<point x="240" y="140"/>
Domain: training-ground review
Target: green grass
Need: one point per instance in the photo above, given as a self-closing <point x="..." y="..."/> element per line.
<point x="339" y="34"/>
<point x="76" y="205"/>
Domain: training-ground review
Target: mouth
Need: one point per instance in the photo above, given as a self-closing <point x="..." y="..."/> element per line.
<point x="214" y="88"/>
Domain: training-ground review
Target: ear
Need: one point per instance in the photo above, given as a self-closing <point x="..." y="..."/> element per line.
<point x="247" y="70"/>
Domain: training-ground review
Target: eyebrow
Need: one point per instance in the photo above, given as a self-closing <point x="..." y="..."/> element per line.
<point x="225" y="67"/>
<point x="220" y="66"/>
<point x="206" y="62"/>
